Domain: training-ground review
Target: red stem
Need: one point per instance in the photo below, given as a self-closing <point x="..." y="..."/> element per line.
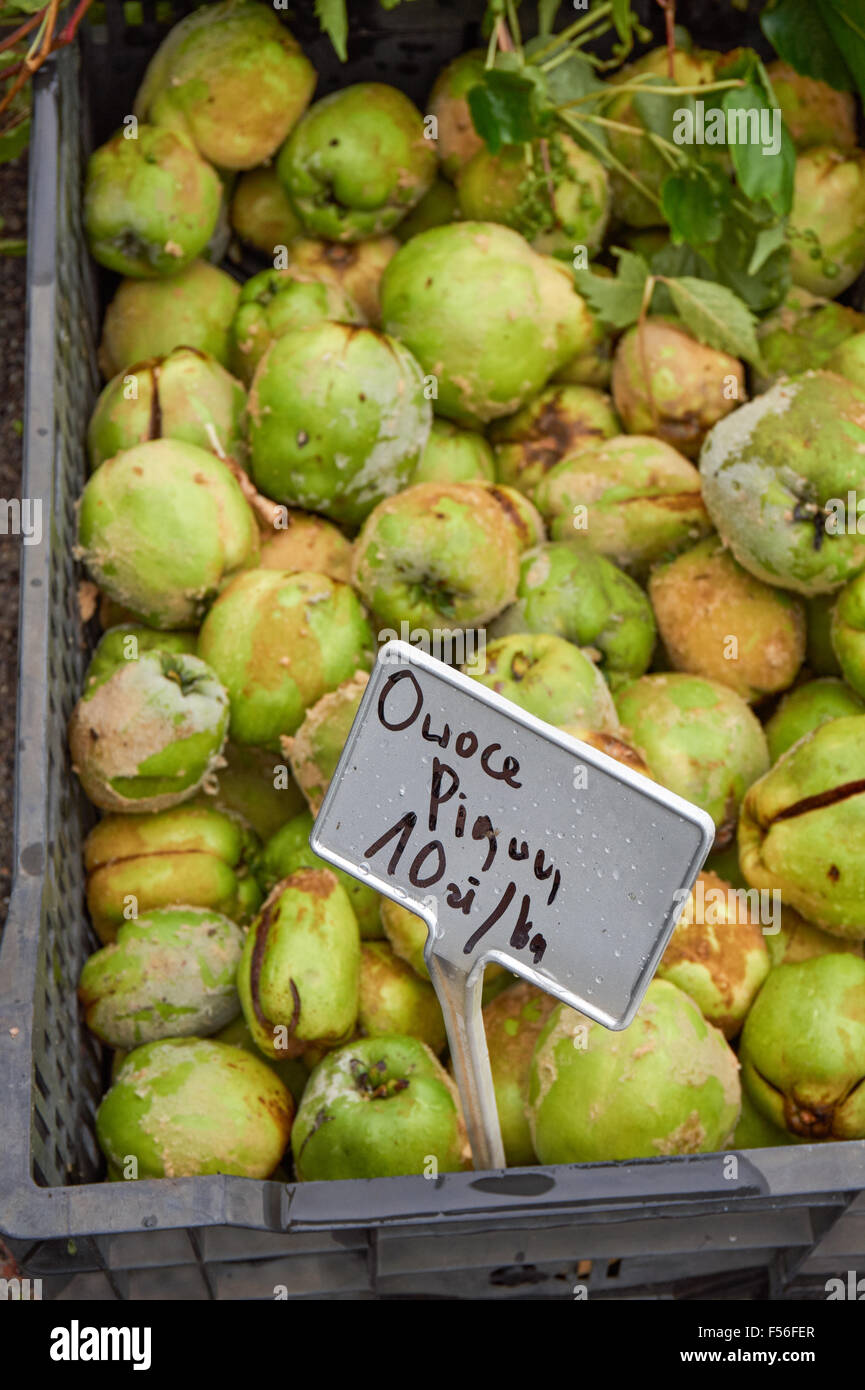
<point x="49" y="45"/>
<point x="669" y="8"/>
<point x="503" y="36"/>
<point x="69" y="32"/>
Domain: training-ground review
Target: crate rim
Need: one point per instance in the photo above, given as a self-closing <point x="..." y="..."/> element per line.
<point x="825" y="1175"/>
<point x="829" y="1174"/>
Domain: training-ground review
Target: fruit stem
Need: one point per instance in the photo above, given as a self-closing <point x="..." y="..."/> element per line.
<point x="588" y="20"/>
<point x="544" y="151"/>
<point x="491" y="51"/>
<point x="643" y="86"/>
<point x="648" y="291"/>
<point x="608" y="160"/>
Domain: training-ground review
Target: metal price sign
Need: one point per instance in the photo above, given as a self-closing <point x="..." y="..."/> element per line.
<point x="515" y="843"/>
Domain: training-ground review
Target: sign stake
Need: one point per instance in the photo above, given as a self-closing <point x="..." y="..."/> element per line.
<point x="460" y="999"/>
<point x="517" y="844"/>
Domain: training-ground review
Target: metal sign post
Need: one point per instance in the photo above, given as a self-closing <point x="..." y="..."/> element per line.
<point x="515" y="843"/>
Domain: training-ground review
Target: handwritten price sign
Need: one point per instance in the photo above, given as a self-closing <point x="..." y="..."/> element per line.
<point x="516" y="843"/>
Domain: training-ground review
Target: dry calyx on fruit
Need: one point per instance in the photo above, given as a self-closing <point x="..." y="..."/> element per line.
<point x="147" y="735"/>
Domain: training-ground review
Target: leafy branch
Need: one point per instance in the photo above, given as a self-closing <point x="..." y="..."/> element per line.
<point x="15" y="75"/>
<point x="726" y="209"/>
<point x="711" y="313"/>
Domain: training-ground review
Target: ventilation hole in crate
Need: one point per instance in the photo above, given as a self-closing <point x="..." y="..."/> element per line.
<point x="584" y="1269"/>
<point x="40" y="1083"/>
<point x="93" y="1075"/>
<point x="89" y="1145"/>
<point x="613" y="1268"/>
<point x="59" y="1043"/>
<point x="92" y="1154"/>
<point x="517" y="1276"/>
<point x="39" y="1176"/>
<point x="40" y="1126"/>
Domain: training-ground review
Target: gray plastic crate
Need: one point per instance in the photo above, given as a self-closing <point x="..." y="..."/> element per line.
<point x="662" y="1228"/>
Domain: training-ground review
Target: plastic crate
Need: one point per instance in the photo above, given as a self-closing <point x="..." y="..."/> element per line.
<point x="661" y="1228"/>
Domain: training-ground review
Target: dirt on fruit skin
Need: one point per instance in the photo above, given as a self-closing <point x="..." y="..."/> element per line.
<point x="13" y="206"/>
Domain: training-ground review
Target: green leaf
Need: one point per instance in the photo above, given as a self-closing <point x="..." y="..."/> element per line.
<point x="510" y="62"/>
<point x="332" y="16"/>
<point x="19" y="7"/>
<point x="716" y="316"/>
<point x="743" y="63"/>
<point x="694" y="206"/>
<point x="657" y="111"/>
<point x="675" y="261"/>
<point x="617" y="301"/>
<point x="15" y="137"/>
<point x="9" y="246"/>
<point x="767" y="242"/>
<point x="799" y="32"/>
<point x="728" y="261"/>
<point x="846" y="23"/>
<point x="506" y="109"/>
<point x="763" y="173"/>
<point x="573" y="78"/>
<point x="762" y="290"/>
<point x="14" y="141"/>
<point x="570" y="80"/>
<point x="678" y="261"/>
